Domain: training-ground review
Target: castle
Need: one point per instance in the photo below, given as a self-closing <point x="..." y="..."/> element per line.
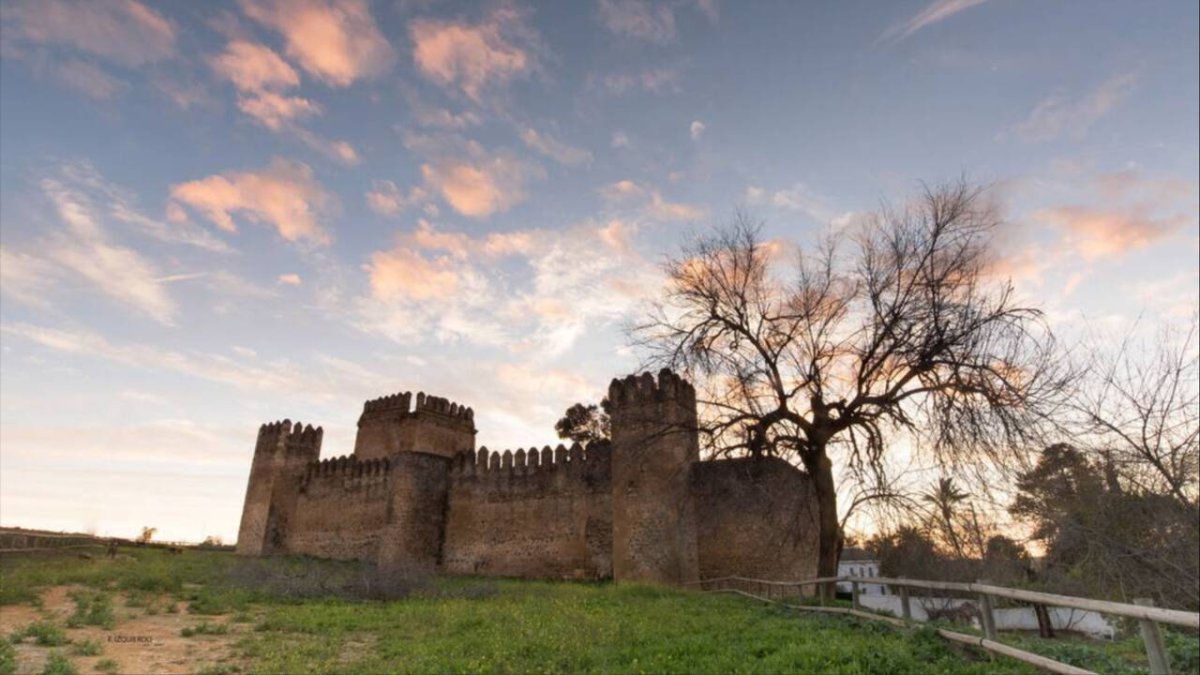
<point x="416" y="497"/>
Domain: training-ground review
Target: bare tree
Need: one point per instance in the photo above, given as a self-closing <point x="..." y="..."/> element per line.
<point x="1141" y="410"/>
<point x="903" y="334"/>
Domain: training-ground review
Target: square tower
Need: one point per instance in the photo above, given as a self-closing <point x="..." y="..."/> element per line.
<point x="434" y="426"/>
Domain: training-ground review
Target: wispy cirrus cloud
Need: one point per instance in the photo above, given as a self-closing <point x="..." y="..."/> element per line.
<point x="649" y="21"/>
<point x="128" y="33"/>
<point x="935" y="12"/>
<point x="1058" y="115"/>
<point x="284" y="195"/>
<point x="549" y="146"/>
<point x="647" y="202"/>
<point x="335" y="41"/>
<point x="1108" y="233"/>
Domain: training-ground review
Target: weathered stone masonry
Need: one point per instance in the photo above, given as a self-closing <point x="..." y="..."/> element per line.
<point x="417" y="497"/>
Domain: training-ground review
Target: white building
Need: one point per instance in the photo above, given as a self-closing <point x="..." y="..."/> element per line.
<point x="856" y="562"/>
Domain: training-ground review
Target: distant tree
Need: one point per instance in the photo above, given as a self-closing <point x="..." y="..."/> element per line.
<point x="585" y="423"/>
<point x="146" y="535"/>
<point x="907" y="552"/>
<point x="1106" y="538"/>
<point x="906" y="333"/>
<point x="212" y="541"/>
<point x="945" y="499"/>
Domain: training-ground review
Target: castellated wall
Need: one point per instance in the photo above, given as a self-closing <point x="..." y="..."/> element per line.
<point x="434" y="425"/>
<point x="754" y="518"/>
<point x="531" y="513"/>
<point x="342" y="508"/>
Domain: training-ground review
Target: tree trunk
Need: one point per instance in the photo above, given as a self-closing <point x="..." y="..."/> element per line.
<point x="829" y="535"/>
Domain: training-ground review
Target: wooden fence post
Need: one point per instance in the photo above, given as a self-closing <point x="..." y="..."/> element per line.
<point x="854" y="594"/>
<point x="1156" y="651"/>
<point x="987" y="616"/>
<point x="905" y="607"/>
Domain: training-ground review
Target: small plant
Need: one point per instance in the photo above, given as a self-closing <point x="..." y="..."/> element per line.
<point x="219" y="669"/>
<point x="47" y="634"/>
<point x="58" y="664"/>
<point x="8" y="658"/>
<point x="173" y="608"/>
<point x="106" y="666"/>
<point x="92" y="608"/>
<point x="88" y="648"/>
<point x="205" y="628"/>
<point x="242" y="617"/>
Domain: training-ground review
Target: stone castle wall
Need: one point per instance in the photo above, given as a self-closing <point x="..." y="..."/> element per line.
<point x="641" y="507"/>
<point x="536" y="513"/>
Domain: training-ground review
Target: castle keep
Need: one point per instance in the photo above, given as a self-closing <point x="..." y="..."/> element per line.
<point x="416" y="496"/>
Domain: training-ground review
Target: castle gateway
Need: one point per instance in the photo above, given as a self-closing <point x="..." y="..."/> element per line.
<point x="415" y="496"/>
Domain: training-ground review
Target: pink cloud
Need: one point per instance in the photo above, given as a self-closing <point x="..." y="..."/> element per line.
<point x="468" y="57"/>
<point x="253" y="67"/>
<point x="403" y="273"/>
<point x="475" y="182"/>
<point x="387" y="199"/>
<point x="336" y="41"/>
<point x="275" y="111"/>
<point x="1100" y="234"/>
<point x="655" y="80"/>
<point x="284" y="195"/>
<point x="126" y="32"/>
<point x="89" y="79"/>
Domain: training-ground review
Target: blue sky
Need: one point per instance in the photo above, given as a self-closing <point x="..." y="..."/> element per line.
<point x="219" y="214"/>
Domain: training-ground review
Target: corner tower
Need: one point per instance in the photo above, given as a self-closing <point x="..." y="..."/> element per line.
<point x="435" y="426"/>
<point x="281" y="456"/>
<point x="654" y="444"/>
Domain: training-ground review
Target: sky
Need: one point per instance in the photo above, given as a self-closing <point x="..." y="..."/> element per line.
<point x="214" y="215"/>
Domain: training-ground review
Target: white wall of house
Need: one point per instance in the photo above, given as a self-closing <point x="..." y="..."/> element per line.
<point x="860" y="568"/>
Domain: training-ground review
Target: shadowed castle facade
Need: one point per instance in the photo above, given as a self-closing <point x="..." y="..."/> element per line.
<point x="416" y="496"/>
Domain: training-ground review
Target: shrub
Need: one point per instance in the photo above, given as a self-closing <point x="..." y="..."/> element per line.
<point x="46" y="634"/>
<point x="92" y="608"/>
<point x="57" y="664"/>
<point x="205" y="628"/>
<point x="88" y="648"/>
<point x="8" y="658"/>
<point x="106" y="666"/>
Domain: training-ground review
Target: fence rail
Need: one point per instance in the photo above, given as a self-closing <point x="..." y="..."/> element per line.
<point x="1143" y="610"/>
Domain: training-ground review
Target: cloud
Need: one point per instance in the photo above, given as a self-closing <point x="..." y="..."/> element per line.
<point x="654" y="80"/>
<point x="620" y="139"/>
<point x="472" y="180"/>
<point x="453" y="286"/>
<point x="935" y="12"/>
<point x="89" y="79"/>
<point x="1059" y="116"/>
<point x="696" y="130"/>
<point x="84" y="248"/>
<point x="386" y="199"/>
<point x="27" y="278"/>
<point x="284" y="195"/>
<point x="289" y="279"/>
<point x="254" y="68"/>
<point x="648" y="202"/>
<point x="262" y="79"/>
<point x="335" y="41"/>
<point x="472" y="58"/>
<point x="650" y="21"/>
<point x="555" y="149"/>
<point x="1098" y="233"/>
<point x="125" y="32"/>
<point x="799" y="198"/>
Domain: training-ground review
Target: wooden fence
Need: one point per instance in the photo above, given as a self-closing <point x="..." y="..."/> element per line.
<point x="1148" y="616"/>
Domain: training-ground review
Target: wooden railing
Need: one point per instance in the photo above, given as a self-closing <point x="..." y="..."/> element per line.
<point x="1148" y="616"/>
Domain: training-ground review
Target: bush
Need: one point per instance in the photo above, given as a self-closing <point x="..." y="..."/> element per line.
<point x="46" y="634"/>
<point x="57" y="664"/>
<point x="92" y="608"/>
<point x="88" y="648"/>
<point x="106" y="666"/>
<point x="205" y="628"/>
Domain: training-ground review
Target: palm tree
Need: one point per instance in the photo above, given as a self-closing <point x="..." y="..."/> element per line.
<point x="945" y="498"/>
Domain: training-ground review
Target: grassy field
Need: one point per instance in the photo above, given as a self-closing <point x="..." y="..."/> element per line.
<point x="212" y="612"/>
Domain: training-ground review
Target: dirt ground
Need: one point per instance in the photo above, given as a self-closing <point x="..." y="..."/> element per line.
<point x="140" y="641"/>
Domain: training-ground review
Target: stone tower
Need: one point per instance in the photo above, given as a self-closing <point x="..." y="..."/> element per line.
<point x="654" y="444"/>
<point x="392" y="425"/>
<point x="281" y="456"/>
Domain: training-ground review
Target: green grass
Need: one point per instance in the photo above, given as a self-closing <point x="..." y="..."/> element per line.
<point x="88" y="648"/>
<point x="317" y="617"/>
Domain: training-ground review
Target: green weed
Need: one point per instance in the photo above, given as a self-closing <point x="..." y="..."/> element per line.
<point x="106" y="666"/>
<point x="58" y="664"/>
<point x="8" y="658"/>
<point x="87" y="648"/>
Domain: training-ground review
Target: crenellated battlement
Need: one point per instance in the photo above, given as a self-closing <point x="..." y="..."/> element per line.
<point x="533" y="460"/>
<point x="636" y="389"/>
<point x="402" y="403"/>
<point x="346" y="466"/>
